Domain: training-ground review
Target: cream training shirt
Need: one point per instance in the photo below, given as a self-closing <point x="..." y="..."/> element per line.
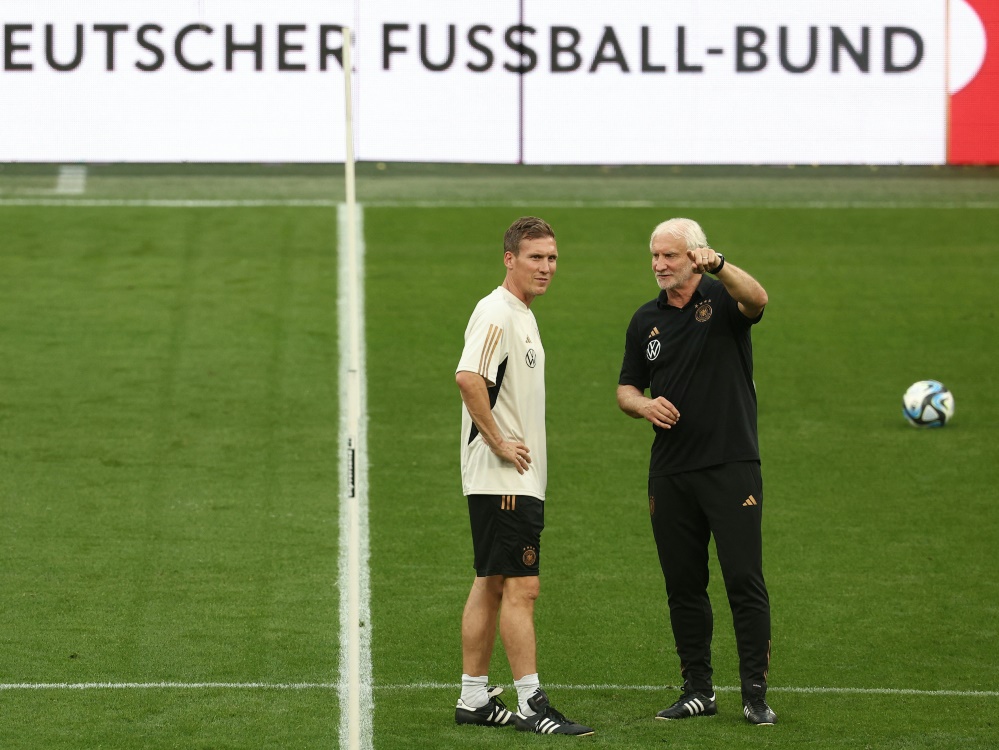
<point x="503" y="345"/>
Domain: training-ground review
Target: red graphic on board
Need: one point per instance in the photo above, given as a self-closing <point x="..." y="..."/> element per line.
<point x="974" y="110"/>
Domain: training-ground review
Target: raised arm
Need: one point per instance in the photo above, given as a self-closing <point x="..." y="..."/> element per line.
<point x="745" y="290"/>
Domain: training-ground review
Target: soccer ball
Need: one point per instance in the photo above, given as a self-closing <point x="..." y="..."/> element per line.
<point x="928" y="403"/>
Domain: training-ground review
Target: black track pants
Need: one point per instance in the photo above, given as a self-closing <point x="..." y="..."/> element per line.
<point x="725" y="501"/>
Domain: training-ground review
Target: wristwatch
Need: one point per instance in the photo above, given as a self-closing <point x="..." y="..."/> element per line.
<point x="720" y="266"/>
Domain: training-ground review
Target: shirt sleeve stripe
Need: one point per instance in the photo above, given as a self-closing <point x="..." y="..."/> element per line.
<point x="489" y="349"/>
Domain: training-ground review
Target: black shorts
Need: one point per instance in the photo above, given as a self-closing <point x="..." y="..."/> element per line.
<point x="506" y="534"/>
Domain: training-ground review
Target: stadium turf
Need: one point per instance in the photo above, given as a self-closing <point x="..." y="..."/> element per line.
<point x="168" y="462"/>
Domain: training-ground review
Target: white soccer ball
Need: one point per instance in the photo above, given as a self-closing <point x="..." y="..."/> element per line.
<point x="928" y="403"/>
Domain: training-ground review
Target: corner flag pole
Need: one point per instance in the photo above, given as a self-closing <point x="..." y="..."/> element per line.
<point x="348" y="161"/>
<point x="353" y="415"/>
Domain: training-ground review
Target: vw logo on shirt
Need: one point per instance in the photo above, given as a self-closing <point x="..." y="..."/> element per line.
<point x="531" y="358"/>
<point x="652" y="350"/>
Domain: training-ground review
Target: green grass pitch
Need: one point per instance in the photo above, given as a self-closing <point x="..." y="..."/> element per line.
<point x="168" y="460"/>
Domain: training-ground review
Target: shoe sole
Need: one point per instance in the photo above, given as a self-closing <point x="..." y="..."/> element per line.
<point x="521" y="727"/>
<point x="681" y="718"/>
<point x="701" y="715"/>
<point x="560" y="734"/>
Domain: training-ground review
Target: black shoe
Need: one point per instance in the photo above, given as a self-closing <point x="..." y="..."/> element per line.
<point x="690" y="704"/>
<point x="757" y="711"/>
<point x="546" y="720"/>
<point x="493" y="714"/>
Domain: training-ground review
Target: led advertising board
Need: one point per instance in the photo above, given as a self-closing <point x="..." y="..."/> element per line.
<point x="502" y="81"/>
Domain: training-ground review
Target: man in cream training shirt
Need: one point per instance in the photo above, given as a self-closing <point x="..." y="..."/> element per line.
<point x="504" y="474"/>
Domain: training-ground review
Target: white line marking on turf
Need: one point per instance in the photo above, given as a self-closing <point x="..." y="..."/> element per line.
<point x="165" y="203"/>
<point x="541" y="203"/>
<point x="356" y="700"/>
<point x="170" y="686"/>
<point x="452" y="686"/>
<point x="772" y="688"/>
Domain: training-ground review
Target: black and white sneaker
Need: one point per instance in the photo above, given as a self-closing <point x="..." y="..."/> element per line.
<point x="546" y="720"/>
<point x="690" y="704"/>
<point x="758" y="712"/>
<point x="493" y="714"/>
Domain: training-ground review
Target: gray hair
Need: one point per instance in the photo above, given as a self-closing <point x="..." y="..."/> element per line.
<point x="687" y="230"/>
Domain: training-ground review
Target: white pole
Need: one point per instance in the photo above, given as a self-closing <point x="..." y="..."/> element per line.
<point x="348" y="161"/>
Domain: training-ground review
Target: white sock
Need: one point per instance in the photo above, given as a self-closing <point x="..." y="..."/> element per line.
<point x="526" y="686"/>
<point x="473" y="691"/>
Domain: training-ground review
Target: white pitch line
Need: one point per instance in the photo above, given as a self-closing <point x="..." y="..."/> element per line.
<point x="946" y="205"/>
<point x="169" y="686"/>
<point x="412" y="687"/>
<point x="727" y="689"/>
<point x="353" y="580"/>
<point x="165" y="203"/>
<point x="541" y="203"/>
